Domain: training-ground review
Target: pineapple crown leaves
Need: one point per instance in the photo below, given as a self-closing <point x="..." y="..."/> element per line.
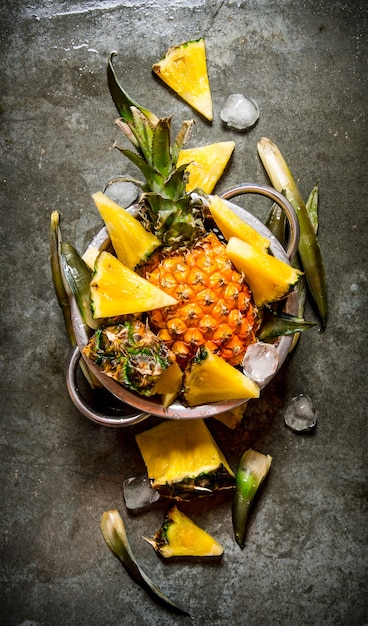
<point x="155" y="157"/>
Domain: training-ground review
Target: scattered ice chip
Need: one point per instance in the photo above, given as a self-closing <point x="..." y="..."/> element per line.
<point x="260" y="362"/>
<point x="240" y="112"/>
<point x="121" y="191"/>
<point x="299" y="414"/>
<point x="138" y="492"/>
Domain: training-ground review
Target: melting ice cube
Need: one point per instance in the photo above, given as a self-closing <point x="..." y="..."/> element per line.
<point x="138" y="492"/>
<point x="299" y="414"/>
<point x="240" y="112"/>
<point x="121" y="191"/>
<point x="260" y="362"/>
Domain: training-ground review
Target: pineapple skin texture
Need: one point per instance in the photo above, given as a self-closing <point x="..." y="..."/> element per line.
<point x="183" y="460"/>
<point x="215" y="307"/>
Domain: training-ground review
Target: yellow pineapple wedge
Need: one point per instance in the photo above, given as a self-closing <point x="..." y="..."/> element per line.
<point x="211" y="379"/>
<point x="269" y="279"/>
<point x="180" y="536"/>
<point x="117" y="290"/>
<point x="183" y="460"/>
<point x="206" y="164"/>
<point x="131" y="242"/>
<point x="231" y="225"/>
<point x="169" y="384"/>
<point x="184" y="69"/>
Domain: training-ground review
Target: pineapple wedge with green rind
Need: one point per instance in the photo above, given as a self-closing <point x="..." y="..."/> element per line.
<point x="131" y="242"/>
<point x="184" y="69"/>
<point x="269" y="278"/>
<point x="183" y="460"/>
<point x="117" y="290"/>
<point x="179" y="536"/>
<point x="211" y="379"/>
<point x="206" y="164"/>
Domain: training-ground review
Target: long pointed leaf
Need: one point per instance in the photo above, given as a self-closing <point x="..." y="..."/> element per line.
<point x="114" y="533"/>
<point x="161" y="153"/>
<point x="121" y="98"/>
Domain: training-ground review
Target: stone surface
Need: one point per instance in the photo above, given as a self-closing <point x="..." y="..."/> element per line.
<point x="304" y="560"/>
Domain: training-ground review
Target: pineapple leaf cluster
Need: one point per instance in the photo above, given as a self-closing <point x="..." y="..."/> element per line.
<point x="165" y="206"/>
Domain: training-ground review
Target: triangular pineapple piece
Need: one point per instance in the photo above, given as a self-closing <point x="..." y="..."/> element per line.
<point x="117" y="290"/>
<point x="169" y="384"/>
<point x="184" y="69"/>
<point x="183" y="460"/>
<point x="269" y="278"/>
<point x="211" y="379"/>
<point x="206" y="164"/>
<point x="132" y="243"/>
<point x="180" y="536"/>
<point x="231" y="225"/>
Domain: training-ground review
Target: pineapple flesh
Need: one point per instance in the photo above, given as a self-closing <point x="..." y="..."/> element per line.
<point x="183" y="460"/>
<point x="206" y="164"/>
<point x="179" y="536"/>
<point x="210" y="379"/>
<point x="117" y="290"/>
<point x="270" y="279"/>
<point x="184" y="69"/>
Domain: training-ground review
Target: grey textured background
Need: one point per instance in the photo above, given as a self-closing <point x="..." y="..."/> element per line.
<point x="304" y="563"/>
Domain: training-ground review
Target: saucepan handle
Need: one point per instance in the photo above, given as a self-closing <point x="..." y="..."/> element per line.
<point x="279" y="198"/>
<point x="88" y="411"/>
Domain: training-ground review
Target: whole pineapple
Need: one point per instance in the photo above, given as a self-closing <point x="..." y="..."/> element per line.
<point x="215" y="308"/>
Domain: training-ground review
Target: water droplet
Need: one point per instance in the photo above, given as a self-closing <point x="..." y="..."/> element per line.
<point x="299" y="414"/>
<point x="240" y="112"/>
<point x="260" y="362"/>
<point x="138" y="492"/>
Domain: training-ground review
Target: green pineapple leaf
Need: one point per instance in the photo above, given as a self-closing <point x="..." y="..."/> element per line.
<point x="121" y="98"/>
<point x="161" y="153"/>
<point x="181" y="139"/>
<point x="154" y="180"/>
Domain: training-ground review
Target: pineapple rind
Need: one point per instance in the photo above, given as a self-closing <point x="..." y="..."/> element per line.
<point x="183" y="459"/>
<point x="269" y="278"/>
<point x="184" y="69"/>
<point x="180" y="536"/>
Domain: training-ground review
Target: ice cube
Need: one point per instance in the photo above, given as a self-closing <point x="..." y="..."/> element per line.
<point x="260" y="362"/>
<point x="299" y="414"/>
<point x="240" y="112"/>
<point x="138" y="492"/>
<point x="121" y="191"/>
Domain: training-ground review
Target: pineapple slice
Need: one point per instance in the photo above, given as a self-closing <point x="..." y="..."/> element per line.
<point x="117" y="290"/>
<point x="184" y="69"/>
<point x="90" y="256"/>
<point x="183" y="460"/>
<point x="269" y="279"/>
<point x="206" y="164"/>
<point x="211" y="379"/>
<point x="180" y="536"/>
<point x="231" y="225"/>
<point x="131" y="242"/>
<point x="233" y="417"/>
<point x="169" y="384"/>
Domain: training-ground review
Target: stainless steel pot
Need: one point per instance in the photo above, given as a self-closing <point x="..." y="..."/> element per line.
<point x="138" y="408"/>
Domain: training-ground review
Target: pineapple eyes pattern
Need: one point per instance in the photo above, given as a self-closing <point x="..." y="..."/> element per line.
<point x="215" y="307"/>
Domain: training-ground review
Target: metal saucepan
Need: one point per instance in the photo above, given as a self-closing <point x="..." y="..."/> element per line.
<point x="137" y="408"/>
